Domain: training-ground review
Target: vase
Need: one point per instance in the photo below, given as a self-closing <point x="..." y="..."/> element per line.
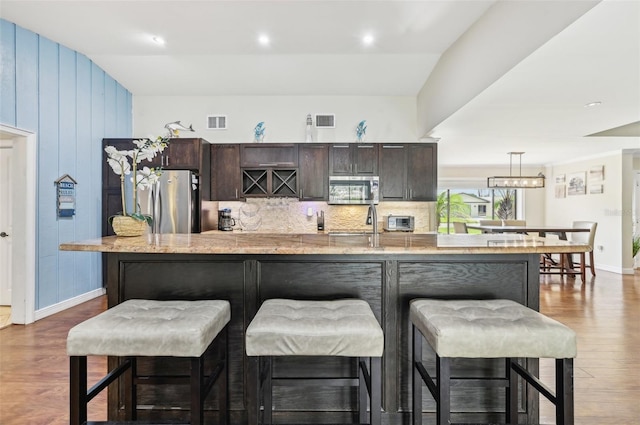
<point x="128" y="226"/>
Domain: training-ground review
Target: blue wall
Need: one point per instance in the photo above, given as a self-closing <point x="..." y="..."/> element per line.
<point x="71" y="104"/>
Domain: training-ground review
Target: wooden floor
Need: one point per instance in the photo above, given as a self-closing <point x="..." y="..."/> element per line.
<point x="605" y="312"/>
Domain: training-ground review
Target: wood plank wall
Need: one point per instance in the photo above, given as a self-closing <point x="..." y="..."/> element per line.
<point x="71" y="104"/>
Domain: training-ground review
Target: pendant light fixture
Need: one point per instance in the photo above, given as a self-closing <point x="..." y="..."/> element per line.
<point x="515" y="182"/>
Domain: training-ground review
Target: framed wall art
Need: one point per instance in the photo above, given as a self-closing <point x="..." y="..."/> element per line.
<point x="577" y="183"/>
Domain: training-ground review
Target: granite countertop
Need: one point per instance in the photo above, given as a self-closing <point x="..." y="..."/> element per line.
<point x="384" y="243"/>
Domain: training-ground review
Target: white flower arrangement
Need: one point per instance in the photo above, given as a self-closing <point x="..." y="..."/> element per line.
<point x="141" y="178"/>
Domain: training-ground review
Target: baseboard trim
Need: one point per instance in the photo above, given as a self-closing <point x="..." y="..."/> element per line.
<point x="71" y="302"/>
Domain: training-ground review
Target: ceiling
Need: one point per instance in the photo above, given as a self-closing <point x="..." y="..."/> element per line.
<point x="534" y="103"/>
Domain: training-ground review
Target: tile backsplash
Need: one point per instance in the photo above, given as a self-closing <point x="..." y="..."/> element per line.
<point x="286" y="215"/>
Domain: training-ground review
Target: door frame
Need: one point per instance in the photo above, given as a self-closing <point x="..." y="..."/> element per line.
<point x="23" y="205"/>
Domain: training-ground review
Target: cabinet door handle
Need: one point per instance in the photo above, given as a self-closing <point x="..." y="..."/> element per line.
<point x="356" y="168"/>
<point x="340" y="146"/>
<point x="236" y="193"/>
<point x="167" y="161"/>
<point x="301" y="194"/>
<point x="392" y="146"/>
<point x="269" y="164"/>
<point x="365" y="146"/>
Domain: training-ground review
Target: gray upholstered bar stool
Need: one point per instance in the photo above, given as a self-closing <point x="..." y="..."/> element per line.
<point x="138" y="328"/>
<point x="345" y="327"/>
<point x="490" y="329"/>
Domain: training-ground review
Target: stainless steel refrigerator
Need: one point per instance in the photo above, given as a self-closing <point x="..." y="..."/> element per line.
<point x="174" y="202"/>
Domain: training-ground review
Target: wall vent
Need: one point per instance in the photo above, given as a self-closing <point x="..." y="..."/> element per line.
<point x="216" y="122"/>
<point x="325" y="120"/>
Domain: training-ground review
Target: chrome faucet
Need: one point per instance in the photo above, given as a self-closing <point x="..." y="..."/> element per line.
<point x="372" y="217"/>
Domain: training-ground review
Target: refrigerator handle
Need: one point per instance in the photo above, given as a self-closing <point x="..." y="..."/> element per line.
<point x="156" y="194"/>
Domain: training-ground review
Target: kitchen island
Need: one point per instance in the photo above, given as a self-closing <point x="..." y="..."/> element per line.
<point x="386" y="270"/>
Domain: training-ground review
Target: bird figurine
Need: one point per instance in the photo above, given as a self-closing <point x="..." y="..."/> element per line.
<point x="361" y="130"/>
<point x="258" y="132"/>
<point x="175" y="127"/>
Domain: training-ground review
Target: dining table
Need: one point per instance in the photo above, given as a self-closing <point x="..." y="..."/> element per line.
<point x="542" y="230"/>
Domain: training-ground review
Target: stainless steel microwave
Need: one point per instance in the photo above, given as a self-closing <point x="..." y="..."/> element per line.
<point x="353" y="190"/>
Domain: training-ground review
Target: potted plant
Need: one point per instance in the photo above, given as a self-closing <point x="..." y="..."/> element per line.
<point x="636" y="245"/>
<point x="134" y="223"/>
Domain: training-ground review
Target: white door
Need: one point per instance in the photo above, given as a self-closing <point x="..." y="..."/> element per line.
<point x="5" y="223"/>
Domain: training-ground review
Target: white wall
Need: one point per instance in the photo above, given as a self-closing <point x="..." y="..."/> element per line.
<point x="611" y="209"/>
<point x="389" y="118"/>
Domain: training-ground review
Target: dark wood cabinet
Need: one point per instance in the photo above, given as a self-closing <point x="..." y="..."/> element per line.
<point x="111" y="192"/>
<point x="393" y="172"/>
<point x="353" y="159"/>
<point x="408" y="172"/>
<point x="313" y="167"/>
<point x="262" y="182"/>
<point x="183" y="154"/>
<point x="269" y="169"/>
<point x="226" y="184"/>
<point x="422" y="171"/>
<point x="282" y="155"/>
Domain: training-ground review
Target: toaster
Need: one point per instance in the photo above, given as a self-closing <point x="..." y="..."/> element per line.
<point x="399" y="223"/>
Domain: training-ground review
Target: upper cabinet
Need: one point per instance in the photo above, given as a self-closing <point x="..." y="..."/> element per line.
<point x="269" y="169"/>
<point x="313" y="166"/>
<point x="353" y="159"/>
<point x="269" y="155"/>
<point x="408" y="172"/>
<point x="393" y="172"/>
<point x="226" y="184"/>
<point x="184" y="154"/>
<point x="422" y="171"/>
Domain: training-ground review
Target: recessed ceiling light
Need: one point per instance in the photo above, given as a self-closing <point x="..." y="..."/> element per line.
<point x="158" y="40"/>
<point x="264" y="40"/>
<point x="368" y="39"/>
<point x="592" y="104"/>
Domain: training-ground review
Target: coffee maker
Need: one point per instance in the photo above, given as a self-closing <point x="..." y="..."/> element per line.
<point x="225" y="222"/>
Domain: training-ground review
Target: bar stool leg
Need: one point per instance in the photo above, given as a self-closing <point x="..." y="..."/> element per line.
<point x="416" y="377"/>
<point x="375" y="373"/>
<point x="267" y="390"/>
<point x="197" y="408"/>
<point x="564" y="392"/>
<point x="78" y="390"/>
<point x="443" y="368"/>
<point x="512" y="393"/>
<point x="223" y="385"/>
<point x="131" y="390"/>
<point x="253" y="390"/>
<point x="362" y="390"/>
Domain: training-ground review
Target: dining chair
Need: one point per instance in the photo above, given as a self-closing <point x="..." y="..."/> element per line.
<point x="460" y="227"/>
<point x="515" y="222"/>
<point x="490" y="222"/>
<point x="584" y="237"/>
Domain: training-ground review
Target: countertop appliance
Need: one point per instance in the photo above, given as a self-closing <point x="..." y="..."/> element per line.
<point x="173" y="202"/>
<point x="350" y="190"/>
<point x="399" y="223"/>
<point x="225" y="221"/>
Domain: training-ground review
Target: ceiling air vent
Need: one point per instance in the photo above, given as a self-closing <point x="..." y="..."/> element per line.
<point x="216" y="122"/>
<point x="325" y="121"/>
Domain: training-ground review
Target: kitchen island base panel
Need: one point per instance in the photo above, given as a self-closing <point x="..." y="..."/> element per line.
<point x="386" y="282"/>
